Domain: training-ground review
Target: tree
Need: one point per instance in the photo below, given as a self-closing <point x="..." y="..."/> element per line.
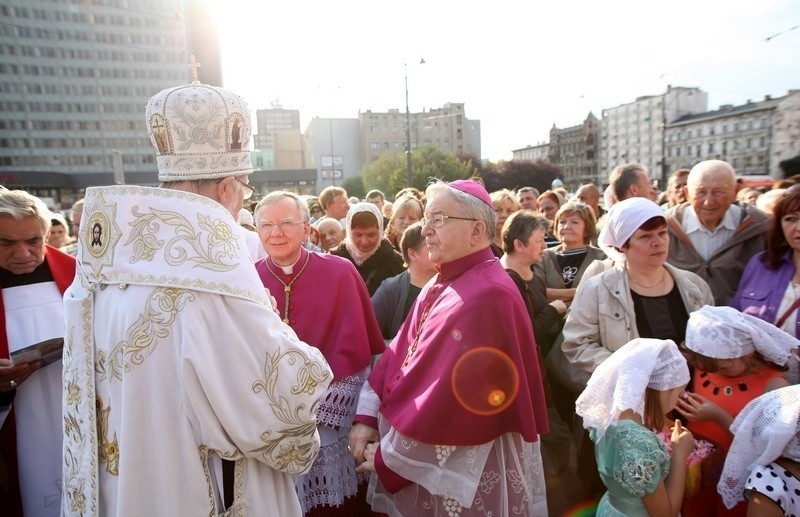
<point x="354" y="186"/>
<point x="514" y="174"/>
<point x="388" y="172"/>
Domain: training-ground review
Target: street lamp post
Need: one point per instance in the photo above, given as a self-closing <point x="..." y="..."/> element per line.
<point x="409" y="166"/>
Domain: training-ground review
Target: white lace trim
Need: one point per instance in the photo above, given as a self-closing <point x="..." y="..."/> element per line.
<point x="338" y="406"/>
<point x="332" y="478"/>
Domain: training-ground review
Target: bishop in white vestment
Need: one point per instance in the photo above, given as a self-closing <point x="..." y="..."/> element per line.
<point x="175" y="362"/>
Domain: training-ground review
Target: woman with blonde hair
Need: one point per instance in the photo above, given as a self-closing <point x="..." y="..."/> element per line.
<point x="504" y="203"/>
<point x="406" y="211"/>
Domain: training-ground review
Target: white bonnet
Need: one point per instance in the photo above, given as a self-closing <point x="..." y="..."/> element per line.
<point x="622" y="221"/>
<point x="725" y="333"/>
<point x="765" y="430"/>
<point x="619" y="382"/>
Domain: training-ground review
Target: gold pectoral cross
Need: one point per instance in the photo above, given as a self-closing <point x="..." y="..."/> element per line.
<point x="287" y="289"/>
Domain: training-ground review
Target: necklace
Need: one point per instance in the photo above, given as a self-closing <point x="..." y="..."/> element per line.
<point x="726" y="390"/>
<point x="657" y="284"/>
<point x="287" y="288"/>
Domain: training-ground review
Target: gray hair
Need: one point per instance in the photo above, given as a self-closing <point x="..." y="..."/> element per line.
<point x="21" y="205"/>
<point x="521" y="225"/>
<point x="274" y="197"/>
<point x="470" y="206"/>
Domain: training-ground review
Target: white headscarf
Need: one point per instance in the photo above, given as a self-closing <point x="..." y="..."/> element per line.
<point x="619" y="382"/>
<point x="766" y="429"/>
<point x="360" y="257"/>
<point x="725" y="333"/>
<point x="622" y="221"/>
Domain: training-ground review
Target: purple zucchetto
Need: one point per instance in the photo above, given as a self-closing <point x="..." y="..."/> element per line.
<point x="473" y="189"/>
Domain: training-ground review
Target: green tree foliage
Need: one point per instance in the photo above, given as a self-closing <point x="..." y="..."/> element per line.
<point x="514" y="174"/>
<point x="388" y="172"/>
<point x="355" y="187"/>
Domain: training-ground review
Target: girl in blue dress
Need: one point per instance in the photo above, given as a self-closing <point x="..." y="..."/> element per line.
<point x="624" y="406"/>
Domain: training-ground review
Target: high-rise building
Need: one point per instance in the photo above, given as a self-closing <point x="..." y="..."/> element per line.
<point x="634" y="132"/>
<point x="332" y="148"/>
<point x="753" y="137"/>
<point x="448" y="128"/>
<point x="74" y="80"/>
<point x="278" y="131"/>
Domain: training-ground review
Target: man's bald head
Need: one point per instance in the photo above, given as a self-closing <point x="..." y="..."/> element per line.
<point x="717" y="168"/>
<point x="589" y="195"/>
<point x="712" y="189"/>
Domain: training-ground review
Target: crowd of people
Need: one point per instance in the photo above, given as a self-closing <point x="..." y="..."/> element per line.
<point x="449" y="352"/>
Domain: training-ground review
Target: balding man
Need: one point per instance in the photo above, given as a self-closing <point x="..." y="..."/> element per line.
<point x="631" y="180"/>
<point x="710" y="234"/>
<point x="589" y="195"/>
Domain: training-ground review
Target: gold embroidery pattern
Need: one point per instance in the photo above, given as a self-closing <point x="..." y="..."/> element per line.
<point x="163" y="305"/>
<point x="79" y="417"/>
<point x="289" y="449"/>
<point x="185" y="283"/>
<point x="109" y="450"/>
<point x="237" y="508"/>
<point x="187" y="245"/>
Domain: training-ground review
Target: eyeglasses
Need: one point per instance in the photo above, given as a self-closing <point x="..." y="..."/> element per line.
<point x="284" y="226"/>
<point x="249" y="190"/>
<point x="438" y="220"/>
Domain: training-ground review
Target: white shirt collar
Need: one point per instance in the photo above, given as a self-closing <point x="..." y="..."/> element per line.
<point x="691" y="223"/>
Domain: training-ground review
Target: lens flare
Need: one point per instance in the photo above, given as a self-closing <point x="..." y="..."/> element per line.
<point x="485" y="381"/>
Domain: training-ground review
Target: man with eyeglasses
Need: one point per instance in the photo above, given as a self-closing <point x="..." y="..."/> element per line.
<point x="341" y="323"/>
<point x="174" y="356"/>
<point x="457" y="397"/>
<point x="710" y="234"/>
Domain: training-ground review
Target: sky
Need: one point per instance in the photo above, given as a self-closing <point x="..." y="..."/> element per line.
<point x="518" y="66"/>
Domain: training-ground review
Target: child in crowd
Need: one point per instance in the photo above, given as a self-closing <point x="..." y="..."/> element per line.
<point x="763" y="464"/>
<point x="736" y="357"/>
<point x="624" y="406"/>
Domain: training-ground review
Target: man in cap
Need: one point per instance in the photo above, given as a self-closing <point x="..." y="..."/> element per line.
<point x="184" y="393"/>
<point x="33" y="278"/>
<point x="455" y="401"/>
<point x="342" y="325"/>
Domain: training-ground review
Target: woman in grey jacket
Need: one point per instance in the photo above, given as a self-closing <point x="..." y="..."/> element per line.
<point x="641" y="296"/>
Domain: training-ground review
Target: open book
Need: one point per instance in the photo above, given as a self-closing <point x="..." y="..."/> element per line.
<point x="48" y="351"/>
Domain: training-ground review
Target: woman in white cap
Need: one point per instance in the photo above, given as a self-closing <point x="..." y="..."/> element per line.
<point x="624" y="406"/>
<point x="763" y="464"/>
<point x="736" y="357"/>
<point x="641" y="296"/>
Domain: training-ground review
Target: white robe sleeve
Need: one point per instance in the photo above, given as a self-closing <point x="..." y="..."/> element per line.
<point x="251" y="386"/>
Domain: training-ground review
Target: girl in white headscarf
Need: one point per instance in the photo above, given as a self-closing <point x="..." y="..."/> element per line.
<point x="763" y="464"/>
<point x="364" y="246"/>
<point x="624" y="406"/>
<point x="736" y="357"/>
